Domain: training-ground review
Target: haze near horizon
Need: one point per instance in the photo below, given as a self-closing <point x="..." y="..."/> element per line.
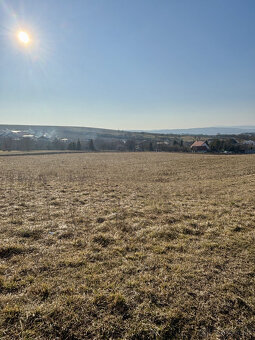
<point x="127" y="65"/>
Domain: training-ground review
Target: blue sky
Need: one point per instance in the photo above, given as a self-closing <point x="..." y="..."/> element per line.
<point x="128" y="64"/>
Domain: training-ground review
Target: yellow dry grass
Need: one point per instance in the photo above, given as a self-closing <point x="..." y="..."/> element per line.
<point x="127" y="246"/>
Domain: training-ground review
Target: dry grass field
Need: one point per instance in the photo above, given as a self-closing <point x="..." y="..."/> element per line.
<point x="127" y="246"/>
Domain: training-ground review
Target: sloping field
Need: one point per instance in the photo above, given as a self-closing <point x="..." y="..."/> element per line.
<point x="127" y="246"/>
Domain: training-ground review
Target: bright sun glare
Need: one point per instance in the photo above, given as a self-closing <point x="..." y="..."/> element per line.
<point x="23" y="37"/>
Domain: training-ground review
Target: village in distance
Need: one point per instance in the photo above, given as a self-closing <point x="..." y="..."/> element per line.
<point x="30" y="138"/>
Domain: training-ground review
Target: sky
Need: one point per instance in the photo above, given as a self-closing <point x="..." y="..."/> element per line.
<point x="128" y="64"/>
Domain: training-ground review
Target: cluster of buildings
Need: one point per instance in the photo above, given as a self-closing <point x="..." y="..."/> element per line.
<point x="19" y="134"/>
<point x="202" y="146"/>
<point x="48" y="138"/>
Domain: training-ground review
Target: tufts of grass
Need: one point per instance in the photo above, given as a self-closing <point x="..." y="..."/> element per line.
<point x="127" y="246"/>
<point x="103" y="240"/>
<point x="11" y="313"/>
<point x="30" y="233"/>
<point x="16" y="221"/>
<point x="11" y="250"/>
<point x="100" y="220"/>
<point x="41" y="290"/>
<point x="8" y="286"/>
<point x="119" y="304"/>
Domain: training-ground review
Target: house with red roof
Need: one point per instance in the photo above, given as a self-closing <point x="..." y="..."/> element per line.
<point x="200" y="146"/>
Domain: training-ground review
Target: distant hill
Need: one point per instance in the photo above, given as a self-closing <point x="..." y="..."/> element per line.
<point x="211" y="131"/>
<point x="71" y="132"/>
<point x="85" y="133"/>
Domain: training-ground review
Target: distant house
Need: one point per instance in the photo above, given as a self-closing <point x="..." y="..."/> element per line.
<point x="251" y="143"/>
<point x="28" y="136"/>
<point x="43" y="139"/>
<point x="200" y="146"/>
<point x="248" y="146"/>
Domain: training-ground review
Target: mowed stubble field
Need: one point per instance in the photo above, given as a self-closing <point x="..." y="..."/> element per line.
<point x="127" y="246"/>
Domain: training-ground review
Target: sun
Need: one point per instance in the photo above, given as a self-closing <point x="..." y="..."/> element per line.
<point x="24" y="37"/>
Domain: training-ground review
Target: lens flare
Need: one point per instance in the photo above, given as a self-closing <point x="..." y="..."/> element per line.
<point x="23" y="37"/>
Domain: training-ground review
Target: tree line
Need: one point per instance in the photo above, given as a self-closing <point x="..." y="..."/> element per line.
<point x="216" y="145"/>
<point x="97" y="144"/>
